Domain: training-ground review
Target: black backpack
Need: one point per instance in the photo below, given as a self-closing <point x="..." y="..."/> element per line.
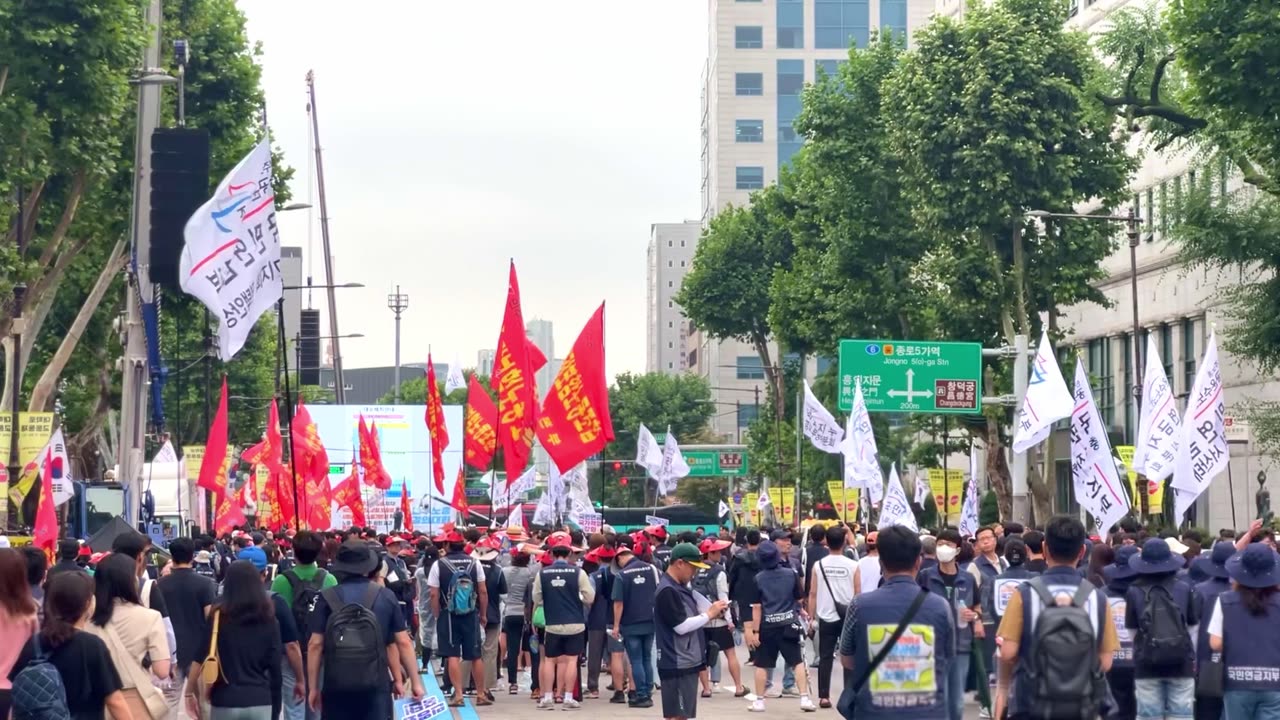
<point x="38" y="692"/>
<point x="1065" y="676"/>
<point x="302" y="594"/>
<point x="705" y="582"/>
<point x="355" y="653"/>
<point x="1162" y="632"/>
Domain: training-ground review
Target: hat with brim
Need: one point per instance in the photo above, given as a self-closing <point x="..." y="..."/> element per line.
<point x="1255" y="567"/>
<point x="484" y="553"/>
<point x="689" y="553"/>
<point x="1215" y="563"/>
<point x="354" y="558"/>
<point x="1121" y="569"/>
<point x="1156" y="558"/>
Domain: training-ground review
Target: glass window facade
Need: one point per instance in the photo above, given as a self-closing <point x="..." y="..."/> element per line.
<point x="747" y="414"/>
<point x="893" y="18"/>
<point x="790" y="24"/>
<point x="1188" y="354"/>
<point x="748" y="131"/>
<point x="748" y="84"/>
<point x="749" y="177"/>
<point x="830" y="67"/>
<point x="790" y="86"/>
<point x="839" y="24"/>
<point x="748" y="37"/>
<point x="750" y="367"/>
<point x="1103" y="375"/>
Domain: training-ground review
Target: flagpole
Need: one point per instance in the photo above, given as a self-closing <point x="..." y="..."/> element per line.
<point x="946" y="476"/>
<point x="288" y="416"/>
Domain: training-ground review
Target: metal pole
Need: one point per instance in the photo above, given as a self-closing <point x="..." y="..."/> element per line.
<point x="1132" y="227"/>
<point x="15" y="462"/>
<point x="795" y="506"/>
<point x="1021" y="370"/>
<point x="946" y="476"/>
<point x="340" y="393"/>
<point x="133" y="395"/>
<point x="288" y="418"/>
<point x="398" y="303"/>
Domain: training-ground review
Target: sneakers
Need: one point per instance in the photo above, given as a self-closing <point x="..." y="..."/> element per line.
<point x="645" y="703"/>
<point x="756" y="706"/>
<point x="807" y="705"/>
<point x="546" y="703"/>
<point x="984" y="713"/>
<point x="571" y="704"/>
<point x="772" y="693"/>
<point x="619" y="698"/>
<point x="751" y="697"/>
<point x="790" y="692"/>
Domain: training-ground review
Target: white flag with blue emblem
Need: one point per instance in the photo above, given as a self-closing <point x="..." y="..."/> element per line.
<point x="1047" y="401"/>
<point x="231" y="259"/>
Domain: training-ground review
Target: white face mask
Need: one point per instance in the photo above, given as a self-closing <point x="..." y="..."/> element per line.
<point x="947" y="554"/>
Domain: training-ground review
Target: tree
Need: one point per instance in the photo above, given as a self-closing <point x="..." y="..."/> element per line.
<point x="414" y="391"/>
<point x="681" y="403"/>
<point x="991" y="117"/>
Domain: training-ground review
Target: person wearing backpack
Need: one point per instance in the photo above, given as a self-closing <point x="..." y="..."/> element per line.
<point x="1056" y="639"/>
<point x="1160" y="611"/>
<point x="299" y="586"/>
<point x="1213" y="567"/>
<point x="713" y="583"/>
<point x="354" y="626"/>
<point x="950" y="582"/>
<point x="64" y="673"/>
<point x="904" y="621"/>
<point x="457" y="595"/>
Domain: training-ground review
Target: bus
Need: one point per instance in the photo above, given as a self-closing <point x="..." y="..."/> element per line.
<point x="680" y="518"/>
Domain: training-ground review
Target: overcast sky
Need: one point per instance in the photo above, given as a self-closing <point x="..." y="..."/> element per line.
<point x="457" y="135"/>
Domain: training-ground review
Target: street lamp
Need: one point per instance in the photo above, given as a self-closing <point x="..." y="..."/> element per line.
<point x="14" y="467"/>
<point x="1130" y="220"/>
<point x="397" y="302"/>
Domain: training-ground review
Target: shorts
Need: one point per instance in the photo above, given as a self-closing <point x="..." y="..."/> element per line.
<point x="564" y="645"/>
<point x="721" y="636"/>
<point x="458" y="636"/>
<point x="680" y="696"/>
<point x="779" y="641"/>
<point x="614" y="645"/>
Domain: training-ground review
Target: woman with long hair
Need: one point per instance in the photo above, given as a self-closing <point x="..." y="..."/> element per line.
<point x="519" y="575"/>
<point x="17" y="618"/>
<point x="88" y="674"/>
<point x="249" y="651"/>
<point x="1100" y="557"/>
<point x="134" y="636"/>
<point x="1244" y="628"/>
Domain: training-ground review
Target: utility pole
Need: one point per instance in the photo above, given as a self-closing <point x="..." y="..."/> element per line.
<point x="15" y="361"/>
<point x="398" y="302"/>
<point x="1021" y="371"/>
<point x="1131" y="228"/>
<point x="339" y="384"/>
<point x="139" y="290"/>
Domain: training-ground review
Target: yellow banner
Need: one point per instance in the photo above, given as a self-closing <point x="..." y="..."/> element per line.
<point x="34" y="430"/>
<point x="844" y="500"/>
<point x="784" y="504"/>
<point x="261" y="475"/>
<point x="749" y="511"/>
<point x="1155" y="491"/>
<point x="193" y="455"/>
<point x="948" y="492"/>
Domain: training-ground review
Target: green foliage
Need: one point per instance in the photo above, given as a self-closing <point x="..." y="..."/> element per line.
<point x="703" y="493"/>
<point x="988" y="509"/>
<point x="660" y="401"/>
<point x="414" y="390"/>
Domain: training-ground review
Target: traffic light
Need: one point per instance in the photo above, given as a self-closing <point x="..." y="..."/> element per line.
<point x="622" y="482"/>
<point x="617" y="466"/>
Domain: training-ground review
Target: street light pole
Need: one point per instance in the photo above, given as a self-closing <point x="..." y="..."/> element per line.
<point x="15" y="462"/>
<point x="398" y="302"/>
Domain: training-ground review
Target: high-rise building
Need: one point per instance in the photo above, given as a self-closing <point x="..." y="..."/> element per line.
<point x="669" y="257"/>
<point x="542" y="333"/>
<point x="484" y="362"/>
<point x="760" y="55"/>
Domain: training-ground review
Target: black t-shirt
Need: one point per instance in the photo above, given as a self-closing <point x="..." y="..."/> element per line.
<point x="187" y="594"/>
<point x="87" y="673"/>
<point x="284" y="619"/>
<point x="1036" y="566"/>
<point x="249" y="658"/>
<point x="496" y="584"/>
<point x="950" y="582"/>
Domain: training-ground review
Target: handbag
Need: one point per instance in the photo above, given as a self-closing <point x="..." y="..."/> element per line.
<point x="1210" y="677"/>
<point x="143" y="695"/>
<point x="211" y="669"/>
<point x="842" y="609"/>
<point x="850" y="694"/>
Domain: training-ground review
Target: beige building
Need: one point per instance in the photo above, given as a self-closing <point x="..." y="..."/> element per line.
<point x="668" y="259"/>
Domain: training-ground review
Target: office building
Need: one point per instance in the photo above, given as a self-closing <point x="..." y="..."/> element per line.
<point x="484" y="362"/>
<point x="670" y="254"/>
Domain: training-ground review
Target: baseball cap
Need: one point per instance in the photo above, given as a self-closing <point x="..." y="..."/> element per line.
<point x="690" y="554"/>
<point x="779" y="534"/>
<point x="711" y="545"/>
<point x="658" y="531"/>
<point x="255" y="555"/>
<point x="453" y="536"/>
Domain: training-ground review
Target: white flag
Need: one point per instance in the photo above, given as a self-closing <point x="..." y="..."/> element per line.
<point x="524" y="483"/>
<point x="648" y="454"/>
<point x="923" y="492"/>
<point x="1203" y="453"/>
<point x="1048" y="400"/>
<point x="1093" y="470"/>
<point x="556" y="488"/>
<point x="763" y="501"/>
<point x="166" y="453"/>
<point x="896" y="510"/>
<point x="231" y="259"/>
<point x="545" y="512"/>
<point x="819" y="426"/>
<point x="673" y="465"/>
<point x="1156" y="451"/>
<point x="62" y="487"/>
<point x="969" y="511"/>
<point x="455" y="380"/>
<point x="861" y="461"/>
<point x="724" y="509"/>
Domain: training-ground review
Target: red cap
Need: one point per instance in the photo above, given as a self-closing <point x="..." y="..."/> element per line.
<point x="659" y="531"/>
<point x="452" y="536"/>
<point x="558" y="539"/>
<point x="85" y="551"/>
<point x="711" y="545"/>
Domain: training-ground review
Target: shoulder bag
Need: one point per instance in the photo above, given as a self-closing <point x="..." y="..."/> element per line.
<point x="211" y="669"/>
<point x="145" y="697"/>
<point x="848" y="698"/>
<point x="842" y="609"/>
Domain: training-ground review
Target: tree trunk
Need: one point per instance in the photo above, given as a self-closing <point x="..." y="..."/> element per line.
<point x="998" y="470"/>
<point x="42" y="393"/>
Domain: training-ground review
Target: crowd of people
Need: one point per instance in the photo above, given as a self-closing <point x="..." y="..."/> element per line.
<point x="1038" y="623"/>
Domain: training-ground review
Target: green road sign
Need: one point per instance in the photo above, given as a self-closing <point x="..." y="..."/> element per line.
<point x="716" y="460"/>
<point x="912" y="376"/>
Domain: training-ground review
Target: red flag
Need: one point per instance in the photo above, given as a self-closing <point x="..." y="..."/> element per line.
<point x="309" y="455"/>
<point x="228" y="515"/>
<point x="213" y="476"/>
<point x="371" y="458"/>
<point x="459" y="500"/>
<point x="575" y="422"/>
<point x="480" y="428"/>
<point x="46" y="531"/>
<point x="347" y="494"/>
<point x="536" y="358"/>
<point x="276" y="507"/>
<point x="435" y="426"/>
<point x="319" y="499"/>
<point x="513" y="379"/>
<point x="405" y="507"/>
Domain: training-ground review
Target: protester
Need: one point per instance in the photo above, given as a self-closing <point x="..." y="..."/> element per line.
<point x="958" y="588"/>
<point x="1119" y="577"/>
<point x="89" y="677"/>
<point x="189" y="598"/>
<point x="426" y="616"/>
<point x="996" y="601"/>
<point x="830" y="595"/>
<point x="657" y="535"/>
<point x="18" y="618"/>
<point x="1205" y="597"/>
<point x="290" y="641"/>
<point x="602" y="648"/>
<point x="134" y="636"/>
<point x="1035" y="551"/>
<point x="248" y="644"/>
<point x="814" y="550"/>
<point x="1062" y="609"/>
<point x="633" y="601"/>
<point x="564" y="592"/>
<point x="1245" y="628"/>
<point x="682" y="649"/>
<point x="1159" y="609"/>
<point x="456" y="597"/>
<point x="37" y="567"/>
<point x="298" y="587"/>
<point x="867" y="577"/>
<point x="518" y="576"/>
<point x="713" y="584"/>
<point x="68" y="559"/>
<point x="777" y="624"/>
<point x="496" y="590"/>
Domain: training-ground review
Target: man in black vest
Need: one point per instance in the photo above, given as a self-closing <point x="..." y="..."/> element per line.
<point x="682" y="648"/>
<point x="564" y="591"/>
<point x="458" y="631"/>
<point x="634" y="590"/>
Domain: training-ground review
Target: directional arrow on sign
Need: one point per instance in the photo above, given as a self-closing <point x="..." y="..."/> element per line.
<point x="909" y="393"/>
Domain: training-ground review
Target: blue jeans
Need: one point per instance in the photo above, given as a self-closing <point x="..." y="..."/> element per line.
<point x="1251" y="705"/>
<point x="640" y="655"/>
<point x="957" y="674"/>
<point x="294" y="710"/>
<point x="1165" y="698"/>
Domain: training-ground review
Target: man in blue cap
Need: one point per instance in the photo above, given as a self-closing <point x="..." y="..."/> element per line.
<point x="1204" y="597"/>
<point x="1160" y="610"/>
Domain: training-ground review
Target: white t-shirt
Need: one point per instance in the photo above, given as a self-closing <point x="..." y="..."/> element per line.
<point x="869" y="569"/>
<point x="839" y="570"/>
<point x="1215" y="620"/>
